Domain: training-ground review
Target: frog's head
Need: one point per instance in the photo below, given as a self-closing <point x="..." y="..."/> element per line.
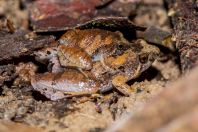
<point x="46" y="54"/>
<point x="147" y="54"/>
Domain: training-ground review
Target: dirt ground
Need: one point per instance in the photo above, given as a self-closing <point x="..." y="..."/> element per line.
<point x="76" y="114"/>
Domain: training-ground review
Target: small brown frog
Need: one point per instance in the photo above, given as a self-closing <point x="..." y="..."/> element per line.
<point x="107" y="55"/>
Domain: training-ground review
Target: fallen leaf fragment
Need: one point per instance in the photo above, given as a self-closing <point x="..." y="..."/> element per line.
<point x="20" y="43"/>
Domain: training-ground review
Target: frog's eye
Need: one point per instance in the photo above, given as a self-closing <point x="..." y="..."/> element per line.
<point x="143" y="58"/>
<point x="120" y="46"/>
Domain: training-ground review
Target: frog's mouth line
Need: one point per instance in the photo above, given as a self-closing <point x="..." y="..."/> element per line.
<point x="145" y="67"/>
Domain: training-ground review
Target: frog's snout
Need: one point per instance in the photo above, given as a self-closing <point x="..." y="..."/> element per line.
<point x="152" y="57"/>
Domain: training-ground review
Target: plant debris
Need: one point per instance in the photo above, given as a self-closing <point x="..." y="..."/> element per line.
<point x="185" y="21"/>
<point x="7" y="73"/>
<point x="157" y="36"/>
<point x="20" y="43"/>
<point x="56" y="15"/>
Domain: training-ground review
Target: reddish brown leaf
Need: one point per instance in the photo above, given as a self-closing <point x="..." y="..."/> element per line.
<point x="56" y="15"/>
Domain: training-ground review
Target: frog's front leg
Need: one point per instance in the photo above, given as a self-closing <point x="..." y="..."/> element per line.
<point x="56" y="67"/>
<point x="74" y="57"/>
<point x="119" y="82"/>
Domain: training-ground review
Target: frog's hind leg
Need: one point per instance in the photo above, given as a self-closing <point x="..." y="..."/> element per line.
<point x="119" y="82"/>
<point x="74" y="57"/>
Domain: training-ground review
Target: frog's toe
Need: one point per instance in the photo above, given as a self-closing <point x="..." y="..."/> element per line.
<point x="119" y="82"/>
